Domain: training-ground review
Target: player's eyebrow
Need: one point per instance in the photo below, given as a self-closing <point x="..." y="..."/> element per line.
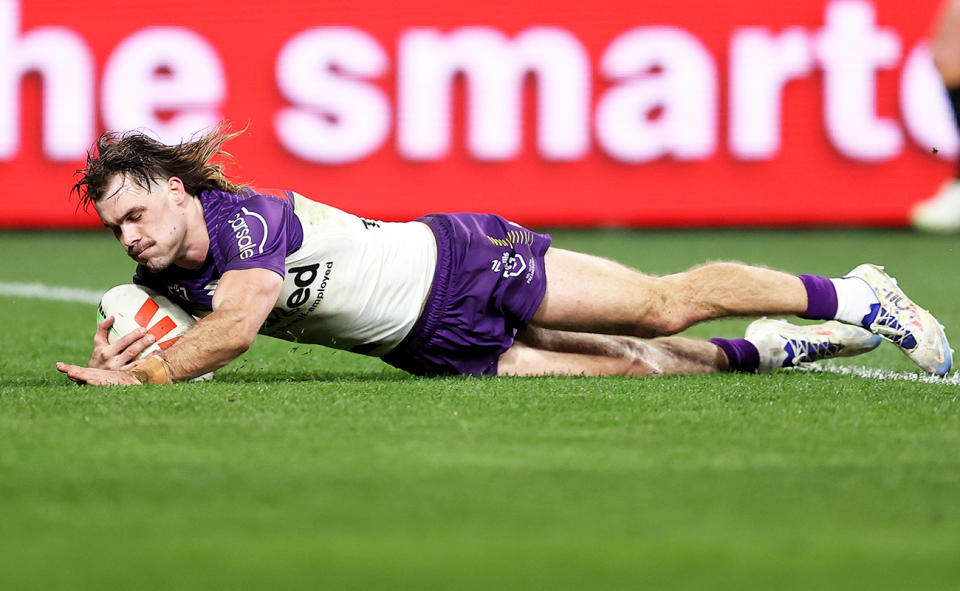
<point x="132" y="211"/>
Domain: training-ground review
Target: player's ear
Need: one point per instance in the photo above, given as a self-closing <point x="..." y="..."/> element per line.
<point x="177" y="190"/>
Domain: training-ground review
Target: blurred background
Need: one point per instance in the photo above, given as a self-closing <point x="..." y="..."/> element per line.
<point x="610" y="113"/>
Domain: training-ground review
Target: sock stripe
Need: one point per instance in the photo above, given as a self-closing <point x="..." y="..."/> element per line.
<point x="742" y="355"/>
<point x="821" y="297"/>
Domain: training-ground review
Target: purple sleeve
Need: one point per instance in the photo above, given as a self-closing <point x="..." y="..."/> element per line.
<point x="253" y="235"/>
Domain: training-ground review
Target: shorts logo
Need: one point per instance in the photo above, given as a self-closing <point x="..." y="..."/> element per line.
<point x="511" y="265"/>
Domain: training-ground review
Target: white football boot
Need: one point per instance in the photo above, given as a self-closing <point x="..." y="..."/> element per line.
<point x="908" y="326"/>
<point x="782" y="344"/>
<point x="941" y="212"/>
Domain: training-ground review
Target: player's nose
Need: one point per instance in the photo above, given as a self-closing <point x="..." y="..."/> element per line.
<point x="128" y="238"/>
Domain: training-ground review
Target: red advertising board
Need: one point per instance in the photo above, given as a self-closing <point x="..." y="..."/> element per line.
<point x="683" y="113"/>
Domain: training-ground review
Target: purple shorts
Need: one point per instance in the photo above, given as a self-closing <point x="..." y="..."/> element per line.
<point x="488" y="284"/>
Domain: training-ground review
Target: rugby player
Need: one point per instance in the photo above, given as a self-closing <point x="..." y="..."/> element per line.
<point x="446" y="294"/>
<point x="941" y="212"/>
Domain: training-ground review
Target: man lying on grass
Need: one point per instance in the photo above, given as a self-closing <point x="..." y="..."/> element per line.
<point x="446" y="294"/>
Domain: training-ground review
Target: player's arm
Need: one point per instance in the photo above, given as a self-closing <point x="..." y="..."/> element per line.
<point x="245" y="295"/>
<point x="243" y="300"/>
<point x="241" y="303"/>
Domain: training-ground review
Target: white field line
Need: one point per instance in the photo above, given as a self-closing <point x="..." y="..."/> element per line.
<point x="871" y="373"/>
<point x="39" y="291"/>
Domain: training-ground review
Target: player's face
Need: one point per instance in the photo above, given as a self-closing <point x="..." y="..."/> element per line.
<point x="150" y="225"/>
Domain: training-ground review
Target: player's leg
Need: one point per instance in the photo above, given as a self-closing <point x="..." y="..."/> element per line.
<point x="768" y="345"/>
<point x="592" y="294"/>
<point x="585" y="293"/>
<point x="554" y="352"/>
<point x="941" y="212"/>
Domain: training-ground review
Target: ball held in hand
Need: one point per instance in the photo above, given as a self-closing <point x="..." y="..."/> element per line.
<point x="135" y="306"/>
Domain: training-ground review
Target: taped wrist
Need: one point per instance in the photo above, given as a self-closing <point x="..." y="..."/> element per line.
<point x="151" y="371"/>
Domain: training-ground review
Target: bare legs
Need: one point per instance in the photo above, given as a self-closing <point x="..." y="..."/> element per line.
<point x="595" y="308"/>
<point x="540" y="351"/>
<point x="589" y="294"/>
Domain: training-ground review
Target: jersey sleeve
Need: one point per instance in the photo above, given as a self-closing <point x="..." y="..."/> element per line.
<point x="253" y="235"/>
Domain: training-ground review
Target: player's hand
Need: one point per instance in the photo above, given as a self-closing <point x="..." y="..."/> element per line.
<point x="121" y="354"/>
<point x="97" y="377"/>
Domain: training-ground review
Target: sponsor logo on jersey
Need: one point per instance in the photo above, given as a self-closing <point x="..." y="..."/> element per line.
<point x="242" y="232"/>
<point x="322" y="288"/>
<point x="303" y="278"/>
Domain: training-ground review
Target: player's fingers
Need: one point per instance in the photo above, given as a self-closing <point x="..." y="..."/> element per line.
<point x="137" y="362"/>
<point x="138" y="347"/>
<point x="117" y="356"/>
<point x="128" y="357"/>
<point x="90" y="376"/>
<point x="105" y="324"/>
<point x="72" y="371"/>
<point x="102" y="336"/>
<point x="124" y="342"/>
<point x="111" y="356"/>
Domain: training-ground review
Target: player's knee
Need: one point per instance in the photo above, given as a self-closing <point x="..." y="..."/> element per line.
<point x="673" y="313"/>
<point x="663" y="324"/>
<point x="634" y="360"/>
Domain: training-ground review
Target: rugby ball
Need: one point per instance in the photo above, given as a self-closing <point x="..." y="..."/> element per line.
<point x="135" y="306"/>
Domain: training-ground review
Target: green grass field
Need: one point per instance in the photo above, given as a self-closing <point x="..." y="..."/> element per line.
<point x="304" y="468"/>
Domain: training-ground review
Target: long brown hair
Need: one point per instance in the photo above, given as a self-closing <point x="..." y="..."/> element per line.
<point x="146" y="160"/>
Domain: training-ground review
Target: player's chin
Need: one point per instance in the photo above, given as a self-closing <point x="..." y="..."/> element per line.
<point x="155" y="264"/>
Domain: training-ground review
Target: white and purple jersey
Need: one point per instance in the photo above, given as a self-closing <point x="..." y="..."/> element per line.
<point x="348" y="282"/>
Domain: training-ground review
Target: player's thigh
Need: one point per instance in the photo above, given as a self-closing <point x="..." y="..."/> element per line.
<point x="523" y="360"/>
<point x="590" y="293"/>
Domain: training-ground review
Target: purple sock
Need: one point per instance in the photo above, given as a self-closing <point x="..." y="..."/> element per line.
<point x="741" y="354"/>
<point x="821" y="298"/>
